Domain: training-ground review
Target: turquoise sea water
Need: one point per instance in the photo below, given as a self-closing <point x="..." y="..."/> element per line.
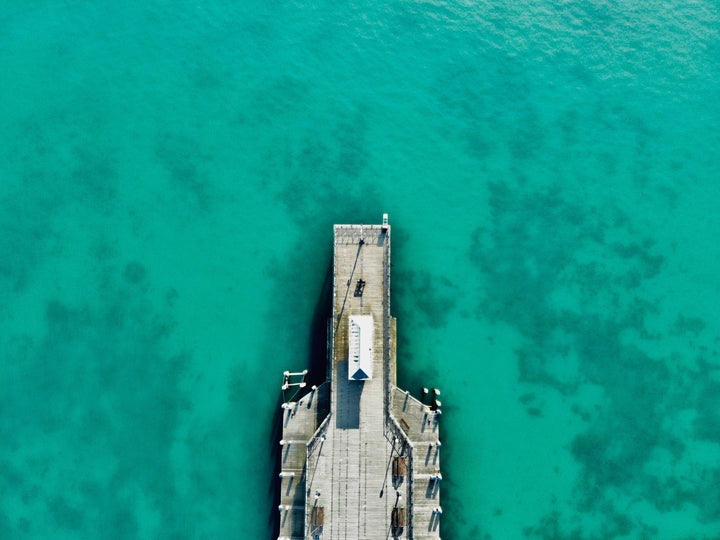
<point x="169" y="176"/>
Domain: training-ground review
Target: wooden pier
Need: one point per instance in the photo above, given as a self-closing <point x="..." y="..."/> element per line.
<point x="360" y="459"/>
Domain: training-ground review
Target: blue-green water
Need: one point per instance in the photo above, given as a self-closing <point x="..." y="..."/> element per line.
<point x="170" y="172"/>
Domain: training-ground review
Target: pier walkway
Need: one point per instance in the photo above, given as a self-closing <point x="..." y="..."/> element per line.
<point x="370" y="469"/>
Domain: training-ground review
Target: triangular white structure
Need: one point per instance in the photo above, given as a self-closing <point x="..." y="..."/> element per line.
<point x="360" y="350"/>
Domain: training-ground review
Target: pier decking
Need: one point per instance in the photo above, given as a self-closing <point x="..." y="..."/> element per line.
<point x="369" y="468"/>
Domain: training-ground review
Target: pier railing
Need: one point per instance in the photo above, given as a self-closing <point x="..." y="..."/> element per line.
<point x="330" y="347"/>
<point x="398" y="432"/>
<point x="309" y="449"/>
<point x="411" y="490"/>
<point x="387" y="344"/>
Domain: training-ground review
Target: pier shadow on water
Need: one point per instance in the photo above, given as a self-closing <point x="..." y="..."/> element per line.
<point x="317" y="353"/>
<point x="316" y="364"/>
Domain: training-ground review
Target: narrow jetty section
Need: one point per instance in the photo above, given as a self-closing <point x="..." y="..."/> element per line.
<point x="360" y="458"/>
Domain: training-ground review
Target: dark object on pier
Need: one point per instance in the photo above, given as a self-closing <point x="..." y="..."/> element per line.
<point x="398" y="517"/>
<point x="399" y="466"/>
<point x="318" y="516"/>
<point x="360" y="287"/>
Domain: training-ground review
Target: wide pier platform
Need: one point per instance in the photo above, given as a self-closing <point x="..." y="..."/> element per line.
<point x="360" y="458"/>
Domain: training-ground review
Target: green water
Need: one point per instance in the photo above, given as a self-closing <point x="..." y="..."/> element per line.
<point x="169" y="176"/>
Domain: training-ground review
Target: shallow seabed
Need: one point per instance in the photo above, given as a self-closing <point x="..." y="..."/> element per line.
<point x="170" y="175"/>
